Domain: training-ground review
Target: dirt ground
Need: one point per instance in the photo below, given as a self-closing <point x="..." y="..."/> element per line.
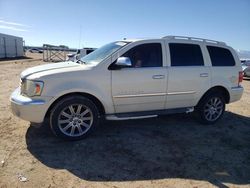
<point x="169" y="151"/>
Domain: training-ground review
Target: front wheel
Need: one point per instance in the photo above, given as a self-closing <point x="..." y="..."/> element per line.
<point x="74" y="117"/>
<point x="211" y="108"/>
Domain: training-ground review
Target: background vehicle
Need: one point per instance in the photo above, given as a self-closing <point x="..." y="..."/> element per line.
<point x="34" y="50"/>
<point x="131" y="79"/>
<point x="246" y="67"/>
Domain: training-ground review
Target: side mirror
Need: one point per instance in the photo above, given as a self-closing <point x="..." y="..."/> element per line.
<point x="123" y="62"/>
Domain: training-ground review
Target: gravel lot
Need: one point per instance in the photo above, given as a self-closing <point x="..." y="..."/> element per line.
<point x="168" y="151"/>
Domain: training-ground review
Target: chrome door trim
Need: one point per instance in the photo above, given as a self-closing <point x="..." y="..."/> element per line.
<point x="155" y="94"/>
<point x="140" y="95"/>
<point x="181" y="92"/>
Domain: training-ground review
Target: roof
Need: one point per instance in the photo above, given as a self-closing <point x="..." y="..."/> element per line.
<point x="130" y="40"/>
<point x="194" y="39"/>
<point x="170" y="37"/>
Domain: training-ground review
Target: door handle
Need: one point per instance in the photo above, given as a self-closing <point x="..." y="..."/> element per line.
<point x="158" y="76"/>
<point x="204" y="75"/>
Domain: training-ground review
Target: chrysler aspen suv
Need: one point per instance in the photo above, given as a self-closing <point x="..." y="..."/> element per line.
<point x="131" y="79"/>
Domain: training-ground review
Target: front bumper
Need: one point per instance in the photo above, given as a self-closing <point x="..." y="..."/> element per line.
<point x="236" y="93"/>
<point x="32" y="110"/>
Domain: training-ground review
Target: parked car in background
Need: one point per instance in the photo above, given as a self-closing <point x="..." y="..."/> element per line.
<point x="35" y="50"/>
<point x="246" y="67"/>
<point x="131" y="79"/>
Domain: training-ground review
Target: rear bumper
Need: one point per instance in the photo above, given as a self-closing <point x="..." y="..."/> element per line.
<point x="32" y="110"/>
<point x="236" y="93"/>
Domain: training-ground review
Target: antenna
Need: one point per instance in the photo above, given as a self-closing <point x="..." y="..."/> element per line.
<point x="80" y="36"/>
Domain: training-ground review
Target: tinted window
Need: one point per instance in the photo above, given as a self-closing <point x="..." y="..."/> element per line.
<point x="145" y="55"/>
<point x="185" y="54"/>
<point x="220" y="56"/>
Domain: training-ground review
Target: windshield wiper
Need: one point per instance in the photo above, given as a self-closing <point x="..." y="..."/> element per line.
<point x="80" y="61"/>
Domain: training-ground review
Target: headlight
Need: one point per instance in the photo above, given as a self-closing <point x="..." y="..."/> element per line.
<point x="31" y="88"/>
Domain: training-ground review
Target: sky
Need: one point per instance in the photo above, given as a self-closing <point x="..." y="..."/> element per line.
<point x="93" y="23"/>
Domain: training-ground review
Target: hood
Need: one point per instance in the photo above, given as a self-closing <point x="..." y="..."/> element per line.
<point x="52" y="66"/>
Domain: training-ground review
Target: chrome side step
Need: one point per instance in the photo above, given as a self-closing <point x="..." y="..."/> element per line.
<point x="147" y="114"/>
<point x="116" y="118"/>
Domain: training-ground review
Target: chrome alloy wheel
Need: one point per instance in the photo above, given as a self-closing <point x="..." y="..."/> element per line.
<point x="213" y="109"/>
<point x="75" y="120"/>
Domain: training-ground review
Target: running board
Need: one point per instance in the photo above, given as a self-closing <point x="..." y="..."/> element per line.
<point x="116" y="118"/>
<point x="147" y="114"/>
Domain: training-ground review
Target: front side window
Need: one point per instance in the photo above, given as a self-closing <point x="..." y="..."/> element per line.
<point x="185" y="54"/>
<point x="145" y="55"/>
<point x="220" y="56"/>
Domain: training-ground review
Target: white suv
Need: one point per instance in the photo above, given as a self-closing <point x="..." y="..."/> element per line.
<point x="131" y="79"/>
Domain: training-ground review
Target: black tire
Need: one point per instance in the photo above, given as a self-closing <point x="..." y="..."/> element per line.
<point x="73" y="126"/>
<point x="204" y="111"/>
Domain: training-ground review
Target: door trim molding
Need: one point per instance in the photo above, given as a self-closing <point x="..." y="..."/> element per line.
<point x="155" y="94"/>
<point x="181" y="92"/>
<point x="141" y="95"/>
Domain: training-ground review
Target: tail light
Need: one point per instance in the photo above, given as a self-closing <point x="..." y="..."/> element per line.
<point x="240" y="77"/>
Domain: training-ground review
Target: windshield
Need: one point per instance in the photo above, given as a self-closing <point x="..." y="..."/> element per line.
<point x="101" y="53"/>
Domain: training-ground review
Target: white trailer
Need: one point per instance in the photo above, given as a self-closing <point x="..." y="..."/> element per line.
<point x="11" y="46"/>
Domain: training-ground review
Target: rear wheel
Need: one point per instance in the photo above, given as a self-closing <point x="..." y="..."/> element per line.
<point x="211" y="108"/>
<point x="74" y="118"/>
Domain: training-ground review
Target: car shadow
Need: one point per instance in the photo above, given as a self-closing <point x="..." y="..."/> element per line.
<point x="173" y="146"/>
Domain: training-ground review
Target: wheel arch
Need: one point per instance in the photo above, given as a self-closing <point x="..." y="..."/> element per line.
<point x="219" y="89"/>
<point x="91" y="97"/>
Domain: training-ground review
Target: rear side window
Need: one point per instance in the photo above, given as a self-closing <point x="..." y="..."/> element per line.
<point x="220" y="56"/>
<point x="185" y="54"/>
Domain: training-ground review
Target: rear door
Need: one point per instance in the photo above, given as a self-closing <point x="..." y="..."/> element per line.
<point x="189" y="76"/>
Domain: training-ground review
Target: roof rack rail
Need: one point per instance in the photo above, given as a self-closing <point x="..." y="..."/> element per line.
<point x="194" y="39"/>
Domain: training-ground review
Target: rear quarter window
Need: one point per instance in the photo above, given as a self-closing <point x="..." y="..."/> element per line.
<point x="220" y="56"/>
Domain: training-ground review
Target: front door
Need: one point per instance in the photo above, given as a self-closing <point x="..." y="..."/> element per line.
<point x="143" y="86"/>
